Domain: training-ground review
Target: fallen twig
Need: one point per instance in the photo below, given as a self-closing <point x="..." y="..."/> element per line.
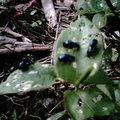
<point x="11" y="45"/>
<point x="24" y="49"/>
<point x="49" y="11"/>
<point x="115" y="78"/>
<point x="14" y="34"/>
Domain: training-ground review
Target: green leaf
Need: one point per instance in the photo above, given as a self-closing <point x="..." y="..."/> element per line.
<point x="33" y="12"/>
<point x="93" y="6"/>
<point x="115" y="2"/>
<point x="115" y="54"/>
<point x="99" y="78"/>
<point x="117" y="96"/>
<point x="82" y="31"/>
<point x="13" y="116"/>
<point x="117" y="91"/>
<point x="107" y="90"/>
<point x="99" y="20"/>
<point x="98" y="5"/>
<point x="36" y="23"/>
<point x="86" y="104"/>
<point x="107" y="56"/>
<point x="38" y="76"/>
<point x="118" y="5"/>
<point x="76" y="111"/>
<point x="56" y="116"/>
<point x="97" y="101"/>
<point x="82" y="12"/>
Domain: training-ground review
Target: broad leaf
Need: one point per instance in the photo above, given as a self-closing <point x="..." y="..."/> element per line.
<point x="117" y="91"/>
<point x="107" y="56"/>
<point x="88" y="103"/>
<point x="56" y="116"/>
<point x="118" y="5"/>
<point x="13" y="115"/>
<point x="99" y="78"/>
<point x="95" y="6"/>
<point x="97" y="101"/>
<point x="117" y="96"/>
<point x="99" y="20"/>
<point x="107" y="89"/>
<point x="77" y="112"/>
<point x="38" y="76"/>
<point x="82" y="32"/>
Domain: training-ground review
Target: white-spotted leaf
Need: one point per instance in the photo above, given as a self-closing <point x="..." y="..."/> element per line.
<point x="86" y="104"/>
<point x="82" y="32"/>
<point x="38" y="76"/>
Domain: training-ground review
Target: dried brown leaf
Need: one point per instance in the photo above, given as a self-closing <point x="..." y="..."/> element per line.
<point x="49" y="11"/>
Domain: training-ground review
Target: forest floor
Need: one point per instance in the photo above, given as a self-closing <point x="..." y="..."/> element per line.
<point x="24" y="30"/>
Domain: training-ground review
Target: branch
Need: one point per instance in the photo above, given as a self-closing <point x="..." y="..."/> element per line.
<point x="110" y="5"/>
<point x="14" y="34"/>
<point x="112" y="8"/>
<point x="20" y="50"/>
<point x="49" y="11"/>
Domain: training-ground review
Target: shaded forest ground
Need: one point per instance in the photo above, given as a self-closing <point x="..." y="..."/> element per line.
<point x="29" y="27"/>
<point x="32" y="25"/>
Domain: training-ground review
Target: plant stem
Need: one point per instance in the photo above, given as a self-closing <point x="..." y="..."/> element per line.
<point x="110" y="5"/>
<point x="112" y="8"/>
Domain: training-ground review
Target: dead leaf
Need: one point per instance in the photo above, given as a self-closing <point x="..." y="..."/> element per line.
<point x="49" y="11"/>
<point x="68" y="3"/>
